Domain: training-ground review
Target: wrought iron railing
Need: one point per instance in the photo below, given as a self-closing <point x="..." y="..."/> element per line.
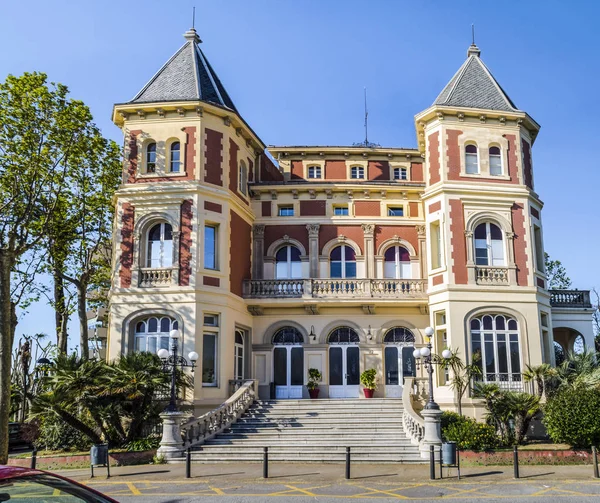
<point x="505" y="381"/>
<point x="570" y="298"/>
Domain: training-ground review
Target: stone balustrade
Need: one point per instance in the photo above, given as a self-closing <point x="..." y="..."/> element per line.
<point x="491" y="275"/>
<point x="156" y="277"/>
<point x="570" y="298"/>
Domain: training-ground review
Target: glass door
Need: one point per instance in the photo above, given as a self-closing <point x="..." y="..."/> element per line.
<point x="288" y="371"/>
<point x="344" y="371"/>
<point x="399" y="364"/>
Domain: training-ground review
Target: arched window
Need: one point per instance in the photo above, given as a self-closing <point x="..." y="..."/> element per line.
<point x="287" y="335"/>
<point x="495" y="161"/>
<point x="495" y="349"/>
<point x="151" y="158"/>
<point x="396" y="263"/>
<point x="160" y="246"/>
<point x="175" y="159"/>
<point x="489" y="245"/>
<point x="152" y="333"/>
<point x="398" y="335"/>
<point x="243" y="178"/>
<point x="342" y="262"/>
<point x="471" y="160"/>
<point x="343" y="335"/>
<point x="287" y="263"/>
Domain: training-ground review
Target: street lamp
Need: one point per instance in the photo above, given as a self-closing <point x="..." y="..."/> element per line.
<point x="428" y="362"/>
<point x="170" y="362"/>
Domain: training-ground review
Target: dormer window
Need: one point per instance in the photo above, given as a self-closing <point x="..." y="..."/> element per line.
<point x="314" y="172"/>
<point x="357" y="173"/>
<point x="175" y="160"/>
<point x="400" y="174"/>
<point x="495" y="161"/>
<point x="471" y="160"/>
<point x="151" y="158"/>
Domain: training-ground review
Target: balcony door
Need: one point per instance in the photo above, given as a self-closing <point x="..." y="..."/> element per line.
<point x="288" y="371"/>
<point x="344" y="363"/>
<point x="399" y="360"/>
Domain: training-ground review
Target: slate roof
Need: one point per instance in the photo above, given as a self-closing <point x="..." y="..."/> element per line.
<point x="187" y="76"/>
<point x="473" y="86"/>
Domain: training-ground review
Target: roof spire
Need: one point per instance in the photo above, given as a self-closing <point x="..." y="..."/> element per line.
<point x="473" y="49"/>
<point x="191" y="34"/>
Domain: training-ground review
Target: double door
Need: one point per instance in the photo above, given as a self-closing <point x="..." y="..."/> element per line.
<point x="399" y="363"/>
<point x="288" y="371"/>
<point x="344" y="371"/>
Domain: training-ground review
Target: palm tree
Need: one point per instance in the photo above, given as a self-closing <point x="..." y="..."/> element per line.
<point x="523" y="407"/>
<point x="540" y="375"/>
<point x="460" y="376"/>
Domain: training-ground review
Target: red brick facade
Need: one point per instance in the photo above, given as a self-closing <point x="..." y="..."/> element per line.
<point x="367" y="208"/>
<point x="268" y="171"/>
<point x="126" y="261"/>
<point x="453" y="154"/>
<point x="266" y="208"/>
<point x="378" y="170"/>
<point x="217" y="208"/>
<point x="385" y="232"/>
<point x="433" y="207"/>
<point x="211" y="281"/>
<point x="335" y="170"/>
<point x="214" y="157"/>
<point x="520" y="244"/>
<point x="132" y="159"/>
<point x="239" y="253"/>
<point x="275" y="232"/>
<point x="185" y="243"/>
<point x="413" y="209"/>
<point x="457" y="239"/>
<point x="416" y="172"/>
<point x="527" y="169"/>
<point x="313" y="208"/>
<point x="297" y="170"/>
<point x="190" y="153"/>
<point x="329" y="232"/>
<point x="434" y="157"/>
<point x="250" y="170"/>
<point x="437" y="280"/>
<point x="233" y="166"/>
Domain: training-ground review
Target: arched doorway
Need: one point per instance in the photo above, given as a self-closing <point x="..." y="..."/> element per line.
<point x="399" y="345"/>
<point x="288" y="363"/>
<point x="344" y="363"/>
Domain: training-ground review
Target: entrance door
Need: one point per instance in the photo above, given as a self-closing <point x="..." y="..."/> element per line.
<point x="399" y="363"/>
<point x="344" y="372"/>
<point x="238" y="356"/>
<point x="288" y="371"/>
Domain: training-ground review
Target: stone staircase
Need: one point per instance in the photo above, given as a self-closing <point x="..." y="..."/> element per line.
<point x="314" y="431"/>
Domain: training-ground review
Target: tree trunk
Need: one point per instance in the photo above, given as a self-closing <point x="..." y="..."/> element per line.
<point x="82" y="313"/>
<point x="60" y="311"/>
<point x="6" y="341"/>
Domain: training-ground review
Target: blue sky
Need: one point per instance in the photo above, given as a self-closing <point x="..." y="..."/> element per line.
<point x="296" y="71"/>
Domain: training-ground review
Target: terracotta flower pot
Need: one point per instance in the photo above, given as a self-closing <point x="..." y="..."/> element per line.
<point x="314" y="393"/>
<point x="368" y="392"/>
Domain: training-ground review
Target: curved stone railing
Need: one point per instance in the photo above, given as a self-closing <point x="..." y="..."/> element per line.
<point x="199" y="429"/>
<point x="414" y="424"/>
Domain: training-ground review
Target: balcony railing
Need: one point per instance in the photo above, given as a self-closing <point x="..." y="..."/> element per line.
<point x="490" y="275"/>
<point x="505" y="381"/>
<point x="332" y="288"/>
<point x="570" y="298"/>
<point x="153" y="277"/>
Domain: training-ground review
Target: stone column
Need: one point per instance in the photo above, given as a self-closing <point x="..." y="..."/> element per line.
<point x="258" y="251"/>
<point x="171" y="445"/>
<point x="422" y="251"/>
<point x="470" y="258"/>
<point x="433" y="431"/>
<point x="369" y="232"/>
<point x="313" y="249"/>
<point x="510" y="260"/>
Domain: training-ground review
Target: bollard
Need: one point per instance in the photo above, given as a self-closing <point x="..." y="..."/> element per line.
<point x="188" y="463"/>
<point x="442" y="466"/>
<point x="33" y="458"/>
<point x="516" y="461"/>
<point x="458" y="462"/>
<point x="431" y="463"/>
<point x="265" y="462"/>
<point x="595" y="460"/>
<point x="347" y="463"/>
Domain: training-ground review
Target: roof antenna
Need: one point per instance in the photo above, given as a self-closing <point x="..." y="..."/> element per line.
<point x="366" y="120"/>
<point x="194" y="18"/>
<point x="472" y="33"/>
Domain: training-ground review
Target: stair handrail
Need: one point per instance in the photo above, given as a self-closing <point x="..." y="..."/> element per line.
<point x="414" y="424"/>
<point x="198" y="430"/>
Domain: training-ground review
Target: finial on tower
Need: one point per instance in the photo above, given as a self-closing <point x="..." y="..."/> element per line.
<point x="473" y="49"/>
<point x="191" y="34"/>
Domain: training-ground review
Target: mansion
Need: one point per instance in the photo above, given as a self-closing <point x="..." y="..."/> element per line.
<point x="271" y="260"/>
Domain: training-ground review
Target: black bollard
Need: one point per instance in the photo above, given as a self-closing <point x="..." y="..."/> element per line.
<point x="516" y="461"/>
<point x="188" y="463"/>
<point x="33" y="458"/>
<point x="265" y="462"/>
<point x="595" y="460"/>
<point x="431" y="462"/>
<point x="347" y="463"/>
<point x="442" y="465"/>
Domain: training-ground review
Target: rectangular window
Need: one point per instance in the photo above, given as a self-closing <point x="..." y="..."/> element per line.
<point x="286" y="211"/>
<point x="210" y="247"/>
<point x="357" y="173"/>
<point x="243" y="179"/>
<point x="395" y="211"/>
<point x="209" y="360"/>
<point x="314" y="172"/>
<point x="340" y="211"/>
<point x="436" y="245"/>
<point x="495" y="165"/>
<point x="211" y="320"/>
<point x="400" y="174"/>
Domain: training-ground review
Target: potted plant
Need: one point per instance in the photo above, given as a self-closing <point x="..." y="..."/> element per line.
<point x="314" y="377"/>
<point x="367" y="379"/>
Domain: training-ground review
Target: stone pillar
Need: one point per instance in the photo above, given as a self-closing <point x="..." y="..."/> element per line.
<point x="313" y="249"/>
<point x="369" y="232"/>
<point x="422" y="251"/>
<point x="171" y="445"/>
<point x="470" y="258"/>
<point x="433" y="431"/>
<point x="510" y="260"/>
<point x="258" y="251"/>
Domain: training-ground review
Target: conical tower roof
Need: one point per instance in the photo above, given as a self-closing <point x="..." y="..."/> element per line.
<point x="187" y="76"/>
<point x="473" y="86"/>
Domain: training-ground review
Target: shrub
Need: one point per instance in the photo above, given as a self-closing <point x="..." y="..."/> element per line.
<point x="471" y="435"/>
<point x="143" y="444"/>
<point x="448" y="418"/>
<point x="368" y="379"/>
<point x="572" y="417"/>
<point x="56" y="435"/>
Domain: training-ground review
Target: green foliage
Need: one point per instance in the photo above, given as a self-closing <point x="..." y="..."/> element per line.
<point x="556" y="273"/>
<point x="314" y="378"/>
<point x="470" y="435"/>
<point x="540" y="375"/>
<point x="143" y="444"/>
<point x="159" y="460"/>
<point x="448" y="418"/>
<point x="56" y="435"/>
<point x="571" y="416"/>
<point x="460" y="376"/>
<point x="368" y="379"/>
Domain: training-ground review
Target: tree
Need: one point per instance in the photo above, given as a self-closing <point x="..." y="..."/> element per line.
<point x="42" y="134"/>
<point x="460" y="376"/>
<point x="556" y="274"/>
<point x="540" y="375"/>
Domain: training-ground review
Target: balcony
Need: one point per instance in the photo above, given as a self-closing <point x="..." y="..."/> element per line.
<point x="505" y="381"/>
<point x="490" y="275"/>
<point x="570" y="299"/>
<point x="155" y="277"/>
<point x="330" y="288"/>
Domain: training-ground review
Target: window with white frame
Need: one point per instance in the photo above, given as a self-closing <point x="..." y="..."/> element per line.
<point x="287" y="263"/>
<point x="400" y="174"/>
<point x="243" y="178"/>
<point x="342" y="262"/>
<point x="160" y="246"/>
<point x="357" y="173"/>
<point x="151" y="157"/>
<point x="238" y="354"/>
<point x="396" y="263"/>
<point x="471" y="160"/>
<point x="285" y="211"/>
<point x="495" y="161"/>
<point x="152" y="333"/>
<point x="175" y="157"/>
<point x="495" y="348"/>
<point x="489" y="245"/>
<point x="210" y="246"/>
<point x="210" y="339"/>
<point x="314" y="172"/>
<point x="436" y="245"/>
